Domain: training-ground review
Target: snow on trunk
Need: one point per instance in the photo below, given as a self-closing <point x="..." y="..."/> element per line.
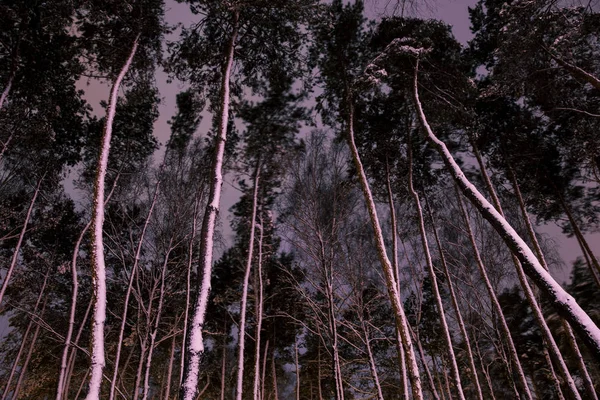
<point x="564" y="303"/>
<point x="388" y="270"/>
<point x="97" y="259"/>
<point x="195" y="341"/>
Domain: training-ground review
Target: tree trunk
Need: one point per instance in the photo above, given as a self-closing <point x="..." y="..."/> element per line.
<point x="223" y="365"/>
<point x="97" y="248"/>
<point x="298" y="369"/>
<point x="154" y="332"/>
<point x="23" y="370"/>
<point x="188" y="288"/>
<point x="372" y="364"/>
<point x="15" y="257"/>
<point x="195" y="341"/>
<point x="432" y="276"/>
<point x="459" y="318"/>
<point x="24" y="340"/>
<point x="258" y="295"/>
<point x="73" y="355"/>
<point x="170" y="368"/>
<point x="136" y="261"/>
<point x="274" y="373"/>
<point x="264" y="372"/>
<point x="495" y="304"/>
<point x="434" y="392"/>
<point x="243" y="301"/>
<point x="564" y="303"/>
<point x="388" y="270"/>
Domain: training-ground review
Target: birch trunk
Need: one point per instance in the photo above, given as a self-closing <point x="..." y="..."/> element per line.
<point x="388" y="270"/>
<point x="188" y="288"/>
<point x="400" y="349"/>
<point x="459" y="318"/>
<point x="274" y="373"/>
<point x="136" y="261"/>
<point x="223" y="369"/>
<point x="432" y="276"/>
<point x="243" y="301"/>
<point x="24" y="340"/>
<point x="195" y="341"/>
<point x="512" y="351"/>
<point x="97" y="259"/>
<point x="170" y="368"/>
<point x="15" y="256"/>
<point x="73" y="355"/>
<point x="372" y="364"/>
<point x="65" y="360"/>
<point x="564" y="303"/>
<point x="23" y="370"/>
<point x="258" y="295"/>
<point x="154" y="332"/>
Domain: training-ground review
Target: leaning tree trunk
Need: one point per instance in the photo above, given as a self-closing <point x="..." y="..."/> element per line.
<point x="549" y="342"/>
<point x="243" y="301"/>
<point x="388" y="270"/>
<point x="432" y="276"/>
<point x="97" y="250"/>
<point x="585" y="376"/>
<point x="512" y="350"/>
<point x="459" y="318"/>
<point x="195" y="341"/>
<point x="15" y="257"/>
<point x="564" y="303"/>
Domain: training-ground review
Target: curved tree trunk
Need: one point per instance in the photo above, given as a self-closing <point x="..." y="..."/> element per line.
<point x="564" y="303"/>
<point x="195" y="340"/>
<point x="97" y="248"/>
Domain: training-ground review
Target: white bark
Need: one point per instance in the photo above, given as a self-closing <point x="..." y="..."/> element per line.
<point x="432" y="276"/>
<point x="244" y="300"/>
<point x="258" y="296"/>
<point x="98" y="267"/>
<point x="132" y="274"/>
<point x="392" y="286"/>
<point x="195" y="343"/>
<point x="459" y="318"/>
<point x="6" y="90"/>
<point x="15" y="257"/>
<point x="564" y="303"/>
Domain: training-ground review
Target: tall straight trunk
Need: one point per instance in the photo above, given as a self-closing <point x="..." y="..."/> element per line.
<point x="388" y="270"/>
<point x="432" y="276"/>
<point x="15" y="256"/>
<point x="97" y="250"/>
<point x="170" y="368"/>
<point x="188" y="288"/>
<point x="195" y="341"/>
<point x="132" y="275"/>
<point x="459" y="318"/>
<point x="372" y="364"/>
<point x="549" y="342"/>
<point x="223" y="369"/>
<point x="156" y="325"/>
<point x="337" y="370"/>
<point x="144" y="341"/>
<point x="298" y="369"/>
<point x="264" y="371"/>
<point x="243" y="301"/>
<point x="564" y="303"/>
<point x="24" y="340"/>
<point x="274" y="373"/>
<point x="23" y="370"/>
<point x="587" y="381"/>
<point x="64" y="364"/>
<point x="73" y="355"/>
<point x="258" y="295"/>
<point x="396" y="265"/>
<point x="512" y="350"/>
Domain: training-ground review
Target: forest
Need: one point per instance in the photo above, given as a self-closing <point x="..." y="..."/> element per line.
<point x="392" y="190"/>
